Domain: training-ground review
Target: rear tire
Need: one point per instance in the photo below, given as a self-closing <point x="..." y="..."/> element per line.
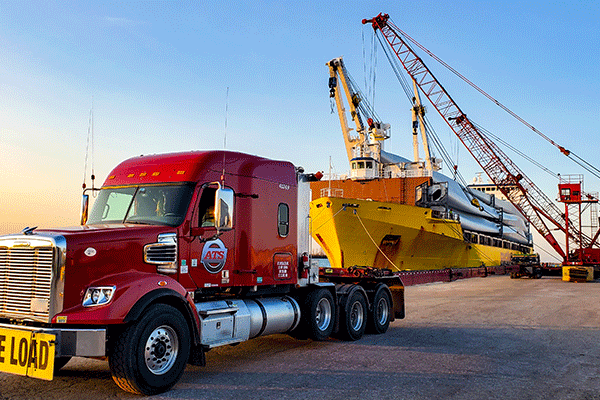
<point x="149" y="356"/>
<point x="379" y="319"/>
<point x="353" y="318"/>
<point x="318" y="314"/>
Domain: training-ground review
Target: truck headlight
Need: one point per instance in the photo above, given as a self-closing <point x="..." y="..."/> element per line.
<point x="98" y="295"/>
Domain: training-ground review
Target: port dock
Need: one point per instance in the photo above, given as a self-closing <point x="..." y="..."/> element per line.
<point x="492" y="338"/>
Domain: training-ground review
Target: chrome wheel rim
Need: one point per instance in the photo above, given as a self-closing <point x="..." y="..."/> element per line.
<point x="382" y="311"/>
<point x="323" y="314"/>
<point x="161" y="350"/>
<point x="357" y="315"/>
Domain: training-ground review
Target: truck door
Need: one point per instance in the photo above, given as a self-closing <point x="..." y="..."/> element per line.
<point x="212" y="250"/>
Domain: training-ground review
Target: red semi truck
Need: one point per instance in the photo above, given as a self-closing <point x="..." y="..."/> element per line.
<point x="181" y="253"/>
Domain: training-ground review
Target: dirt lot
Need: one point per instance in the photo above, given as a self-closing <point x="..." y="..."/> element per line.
<point x="482" y="338"/>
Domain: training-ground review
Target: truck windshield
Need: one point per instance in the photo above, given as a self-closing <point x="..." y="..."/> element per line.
<point x="154" y="205"/>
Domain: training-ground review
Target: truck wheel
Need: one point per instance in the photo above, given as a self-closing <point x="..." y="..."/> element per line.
<point x="353" y="318"/>
<point x="379" y="319"/>
<point x="319" y="314"/>
<point x="149" y="356"/>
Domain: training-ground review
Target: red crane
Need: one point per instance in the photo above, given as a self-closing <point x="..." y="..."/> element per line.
<point x="535" y="206"/>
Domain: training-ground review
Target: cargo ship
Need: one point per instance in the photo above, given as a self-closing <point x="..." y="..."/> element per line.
<point x="363" y="232"/>
<point x="394" y="213"/>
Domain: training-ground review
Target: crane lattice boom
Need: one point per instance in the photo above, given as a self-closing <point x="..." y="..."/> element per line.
<point x="535" y="206"/>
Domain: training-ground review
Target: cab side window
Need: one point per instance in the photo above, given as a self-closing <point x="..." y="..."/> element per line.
<point x="283" y="220"/>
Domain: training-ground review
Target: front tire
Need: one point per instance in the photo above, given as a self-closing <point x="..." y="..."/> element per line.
<point x="149" y="356"/>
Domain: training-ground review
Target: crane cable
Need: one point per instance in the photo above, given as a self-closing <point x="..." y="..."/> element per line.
<point x="430" y="131"/>
<point x="578" y="160"/>
<point x="428" y="127"/>
<point x="432" y="135"/>
<point x="370" y="71"/>
<point x="517" y="151"/>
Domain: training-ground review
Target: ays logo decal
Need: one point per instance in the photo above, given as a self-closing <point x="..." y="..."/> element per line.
<point x="214" y="256"/>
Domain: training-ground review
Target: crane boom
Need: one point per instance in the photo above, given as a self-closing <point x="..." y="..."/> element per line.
<point x="336" y="71"/>
<point x="535" y="206"/>
<point x="364" y="148"/>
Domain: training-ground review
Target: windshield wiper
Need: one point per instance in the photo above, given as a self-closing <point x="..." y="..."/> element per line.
<point x="140" y="223"/>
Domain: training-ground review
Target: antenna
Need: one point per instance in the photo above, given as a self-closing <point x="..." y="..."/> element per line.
<point x="225" y="133"/>
<point x="226" y="111"/>
<point x="89" y="147"/>
<point x="92" y="141"/>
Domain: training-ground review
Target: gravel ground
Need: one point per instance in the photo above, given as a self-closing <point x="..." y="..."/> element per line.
<point x="481" y="338"/>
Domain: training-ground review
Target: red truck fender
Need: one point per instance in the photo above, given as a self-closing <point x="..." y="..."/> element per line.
<point x="135" y="291"/>
<point x="168" y="296"/>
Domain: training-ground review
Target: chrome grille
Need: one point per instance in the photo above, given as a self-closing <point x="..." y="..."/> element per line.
<point x="160" y="253"/>
<point x="163" y="253"/>
<point x="26" y="281"/>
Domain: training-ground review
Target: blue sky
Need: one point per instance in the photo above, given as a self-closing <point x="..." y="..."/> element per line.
<point x="158" y="73"/>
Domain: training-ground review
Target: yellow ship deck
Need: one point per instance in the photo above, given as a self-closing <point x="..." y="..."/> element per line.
<point x="400" y="237"/>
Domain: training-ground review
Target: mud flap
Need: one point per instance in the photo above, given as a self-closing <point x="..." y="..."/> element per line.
<point x="398" y="300"/>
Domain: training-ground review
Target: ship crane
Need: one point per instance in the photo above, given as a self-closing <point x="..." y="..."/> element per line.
<point x="535" y="206"/>
<point x="364" y="146"/>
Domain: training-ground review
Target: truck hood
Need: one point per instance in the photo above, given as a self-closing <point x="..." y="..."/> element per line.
<point x="106" y="233"/>
<point x="95" y="252"/>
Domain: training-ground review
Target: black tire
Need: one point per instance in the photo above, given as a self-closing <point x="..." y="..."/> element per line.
<point x="381" y="315"/>
<point x="60" y="362"/>
<point x="162" y="331"/>
<point x="353" y="316"/>
<point x="318" y="315"/>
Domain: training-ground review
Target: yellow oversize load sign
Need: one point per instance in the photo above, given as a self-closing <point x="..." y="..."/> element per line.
<point x="27" y="353"/>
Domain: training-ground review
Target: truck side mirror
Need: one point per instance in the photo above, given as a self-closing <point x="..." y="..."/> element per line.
<point x="224" y="209"/>
<point x="85" y="202"/>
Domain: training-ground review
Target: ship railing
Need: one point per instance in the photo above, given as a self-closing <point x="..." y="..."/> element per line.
<point x="334" y="177"/>
<point x="397" y="173"/>
<point x="408" y="173"/>
<point x="413" y="173"/>
<point x="332" y="192"/>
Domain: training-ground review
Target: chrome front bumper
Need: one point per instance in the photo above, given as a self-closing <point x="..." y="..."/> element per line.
<point x="71" y="341"/>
